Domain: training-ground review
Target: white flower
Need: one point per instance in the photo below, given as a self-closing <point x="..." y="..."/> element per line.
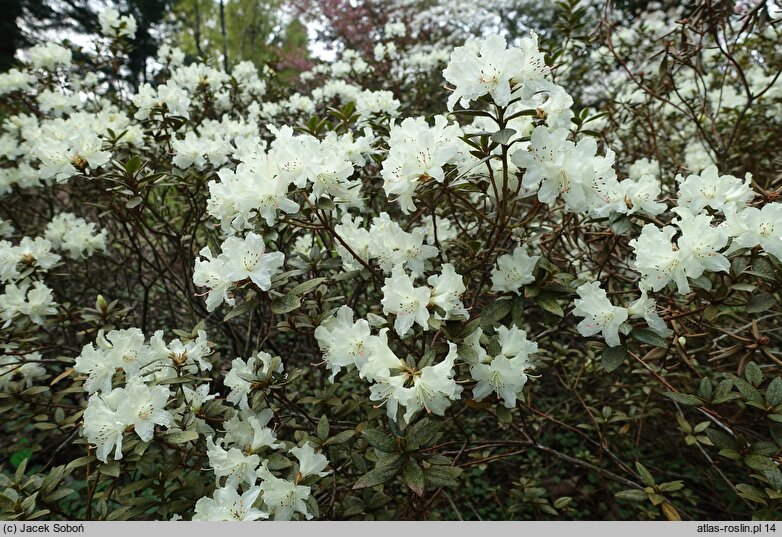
<point x="112" y="25"/>
<point x="226" y="504"/>
<point x="391" y="391"/>
<point x="342" y="341"/>
<point x="391" y="246"/>
<point x="196" y="398"/>
<point x="15" y="80"/>
<point x="193" y="353"/>
<point x="506" y="373"/>
<point x="657" y="260"/>
<point x="598" y="313"/>
<point x="556" y="166"/>
<point x="137" y="405"/>
<point x="212" y="273"/>
<point x="447" y="290"/>
<point x="700" y="244"/>
<point x="102" y="428"/>
<point x="418" y="152"/>
<point x="75" y="235"/>
<point x="513" y="271"/>
<point x="433" y="388"/>
<point x="310" y="463"/>
<point x="640" y="195"/>
<point x="471" y="351"/>
<point x="260" y="364"/>
<point x="26" y="366"/>
<point x="232" y="464"/>
<point x="245" y="258"/>
<point x="381" y="360"/>
<point x="481" y="67"/>
<point x="35" y="303"/>
<point x="646" y="307"/>
<point x="356" y="237"/>
<point x="141" y="407"/>
<point x="407" y="302"/>
<point x="283" y="498"/>
<point x="709" y="189"/>
<point x="756" y="227"/>
<point x="49" y="56"/>
<point x="249" y="432"/>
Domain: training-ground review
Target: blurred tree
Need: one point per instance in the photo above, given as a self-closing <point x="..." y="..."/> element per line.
<point x="230" y="31"/>
<point x="25" y="22"/>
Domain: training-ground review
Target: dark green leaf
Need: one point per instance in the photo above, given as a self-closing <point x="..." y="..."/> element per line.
<point x="285" y="304"/>
<point x="133" y="165"/>
<point x="503" y="136"/>
<point x="632" y="495"/>
<point x="613" y="357"/>
<point x="495" y="312"/>
<point x="180" y="437"/>
<point x="759" y="462"/>
<point x="550" y="305"/>
<point x="379" y="440"/>
<point x="774" y="392"/>
<point x="422" y="434"/>
<point x="761" y="302"/>
<point x="413" y="475"/>
<point x="340" y="438"/>
<point x="684" y="398"/>
<point x="323" y="427"/>
<point x="645" y="474"/>
<point x="650" y="337"/>
<point x="753" y="374"/>
<point x="378" y="476"/>
<point x="307" y="286"/>
<point x="442" y="476"/>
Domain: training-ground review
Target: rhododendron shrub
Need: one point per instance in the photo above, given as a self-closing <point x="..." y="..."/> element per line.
<point x="425" y="274"/>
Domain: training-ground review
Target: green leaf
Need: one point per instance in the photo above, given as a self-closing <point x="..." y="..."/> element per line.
<point x="307" y="286"/>
<point x="413" y="475"/>
<point x="550" y="305"/>
<point x="242" y="308"/>
<point x="379" y="440"/>
<point x="672" y="486"/>
<point x="6" y="503"/>
<point x="763" y="268"/>
<point x="759" y="462"/>
<point x="747" y="390"/>
<point x="278" y="461"/>
<point x="684" y="398"/>
<point x="422" y="434"/>
<point x="504" y="414"/>
<point x="613" y="357"/>
<point x="760" y="303"/>
<point x="323" y="427"/>
<point x="340" y="438"/>
<point x="20" y="456"/>
<point x="378" y="476"/>
<point x="180" y="437"/>
<point x="650" y="337"/>
<point x="503" y="136"/>
<point x="774" y="392"/>
<point x="705" y="389"/>
<point x="751" y="493"/>
<point x="285" y="304"/>
<point x="753" y="374"/>
<point x="631" y="495"/>
<point x="133" y="165"/>
<point x="495" y="312"/>
<point x="442" y="476"/>
<point x="645" y="474"/>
